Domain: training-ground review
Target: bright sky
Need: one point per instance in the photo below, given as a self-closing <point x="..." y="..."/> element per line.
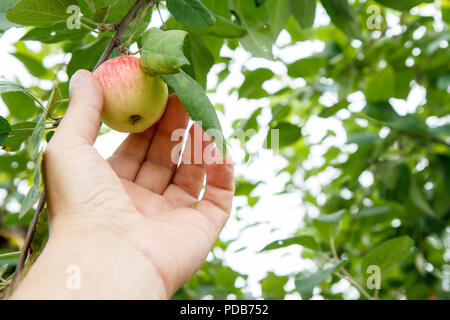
<point x="279" y="216"/>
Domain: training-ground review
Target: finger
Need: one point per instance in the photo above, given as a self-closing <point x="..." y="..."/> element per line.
<point x="128" y="157"/>
<point x="82" y="120"/>
<point x="188" y="179"/>
<point x="219" y="190"/>
<point x="162" y="157"/>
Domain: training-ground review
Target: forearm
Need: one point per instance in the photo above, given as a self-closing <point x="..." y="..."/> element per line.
<point x="90" y="266"/>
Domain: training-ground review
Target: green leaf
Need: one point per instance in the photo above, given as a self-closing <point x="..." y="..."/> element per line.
<point x="114" y="10"/>
<point x="443" y="130"/>
<point x="13" y="163"/>
<point x="402" y="5"/>
<point x="34" y="66"/>
<point x="201" y="59"/>
<point x="304" y="11"/>
<point x="445" y="9"/>
<point x="162" y="51"/>
<point x="288" y="134"/>
<point x="403" y="81"/>
<point x="251" y="88"/>
<point x="15" y="138"/>
<point x="331" y="111"/>
<point x="279" y="13"/>
<point x="4" y="6"/>
<point x="218" y="6"/>
<point x="280" y="112"/>
<point x="333" y="218"/>
<point x="197" y="104"/>
<point x="306" y="67"/>
<point x="49" y="136"/>
<point x="39" y="12"/>
<point x="343" y="17"/>
<point x="443" y="82"/>
<point x="86" y="57"/>
<point x="248" y="126"/>
<point x="33" y="194"/>
<point x="101" y="15"/>
<point x="363" y="138"/>
<point x="53" y="102"/>
<point x="192" y="13"/>
<point x="5" y="129"/>
<point x="381" y="85"/>
<point x="272" y="286"/>
<point x="388" y="255"/>
<point x="396" y="177"/>
<point x="3" y="270"/>
<point x="327" y="225"/>
<point x="38" y="131"/>
<point x="384" y="112"/>
<point x="54" y="33"/>
<point x="373" y="211"/>
<point x="244" y="188"/>
<point x="19" y="104"/>
<point x="303" y="241"/>
<point x="418" y="199"/>
<point x="139" y="24"/>
<point x="225" y="29"/>
<point x="306" y="285"/>
<point x="256" y="21"/>
<point x="225" y="277"/>
<point x="7" y="86"/>
<point x="8" y="257"/>
<point x="36" y="137"/>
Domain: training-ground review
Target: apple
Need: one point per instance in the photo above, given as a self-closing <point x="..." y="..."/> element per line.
<point x="133" y="100"/>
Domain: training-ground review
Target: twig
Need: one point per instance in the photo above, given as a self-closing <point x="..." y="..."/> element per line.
<point x="121" y="28"/>
<point x="347" y="275"/>
<point x="29" y="237"/>
<point x="160" y="16"/>
<point x="9" y="254"/>
<point x="413" y="135"/>
<point x="115" y="41"/>
<point x="425" y="138"/>
<point x="89" y="28"/>
<point x="35" y="99"/>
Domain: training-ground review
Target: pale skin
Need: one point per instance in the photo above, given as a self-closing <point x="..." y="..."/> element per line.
<point x="128" y="223"/>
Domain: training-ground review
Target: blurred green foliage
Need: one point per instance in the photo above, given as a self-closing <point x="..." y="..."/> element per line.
<point x="388" y="203"/>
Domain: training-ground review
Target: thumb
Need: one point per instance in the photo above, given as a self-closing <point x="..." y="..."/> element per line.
<point x="81" y="122"/>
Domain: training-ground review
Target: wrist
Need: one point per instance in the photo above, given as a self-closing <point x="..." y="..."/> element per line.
<point x="91" y="264"/>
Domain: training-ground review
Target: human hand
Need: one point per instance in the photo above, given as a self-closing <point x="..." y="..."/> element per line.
<point x="128" y="222"/>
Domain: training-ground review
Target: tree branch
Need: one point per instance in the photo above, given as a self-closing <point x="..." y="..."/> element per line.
<point x="115" y="41"/>
<point x="29" y="237"/>
<point x="346" y="275"/>
<point x="121" y="28"/>
<point x="416" y="136"/>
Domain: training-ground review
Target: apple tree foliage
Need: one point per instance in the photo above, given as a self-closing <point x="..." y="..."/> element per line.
<point x="379" y="219"/>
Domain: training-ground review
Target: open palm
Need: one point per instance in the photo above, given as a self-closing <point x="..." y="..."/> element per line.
<point x="179" y="237"/>
<point x="140" y="192"/>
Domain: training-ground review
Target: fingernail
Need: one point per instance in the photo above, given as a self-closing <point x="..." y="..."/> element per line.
<point x="77" y="80"/>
